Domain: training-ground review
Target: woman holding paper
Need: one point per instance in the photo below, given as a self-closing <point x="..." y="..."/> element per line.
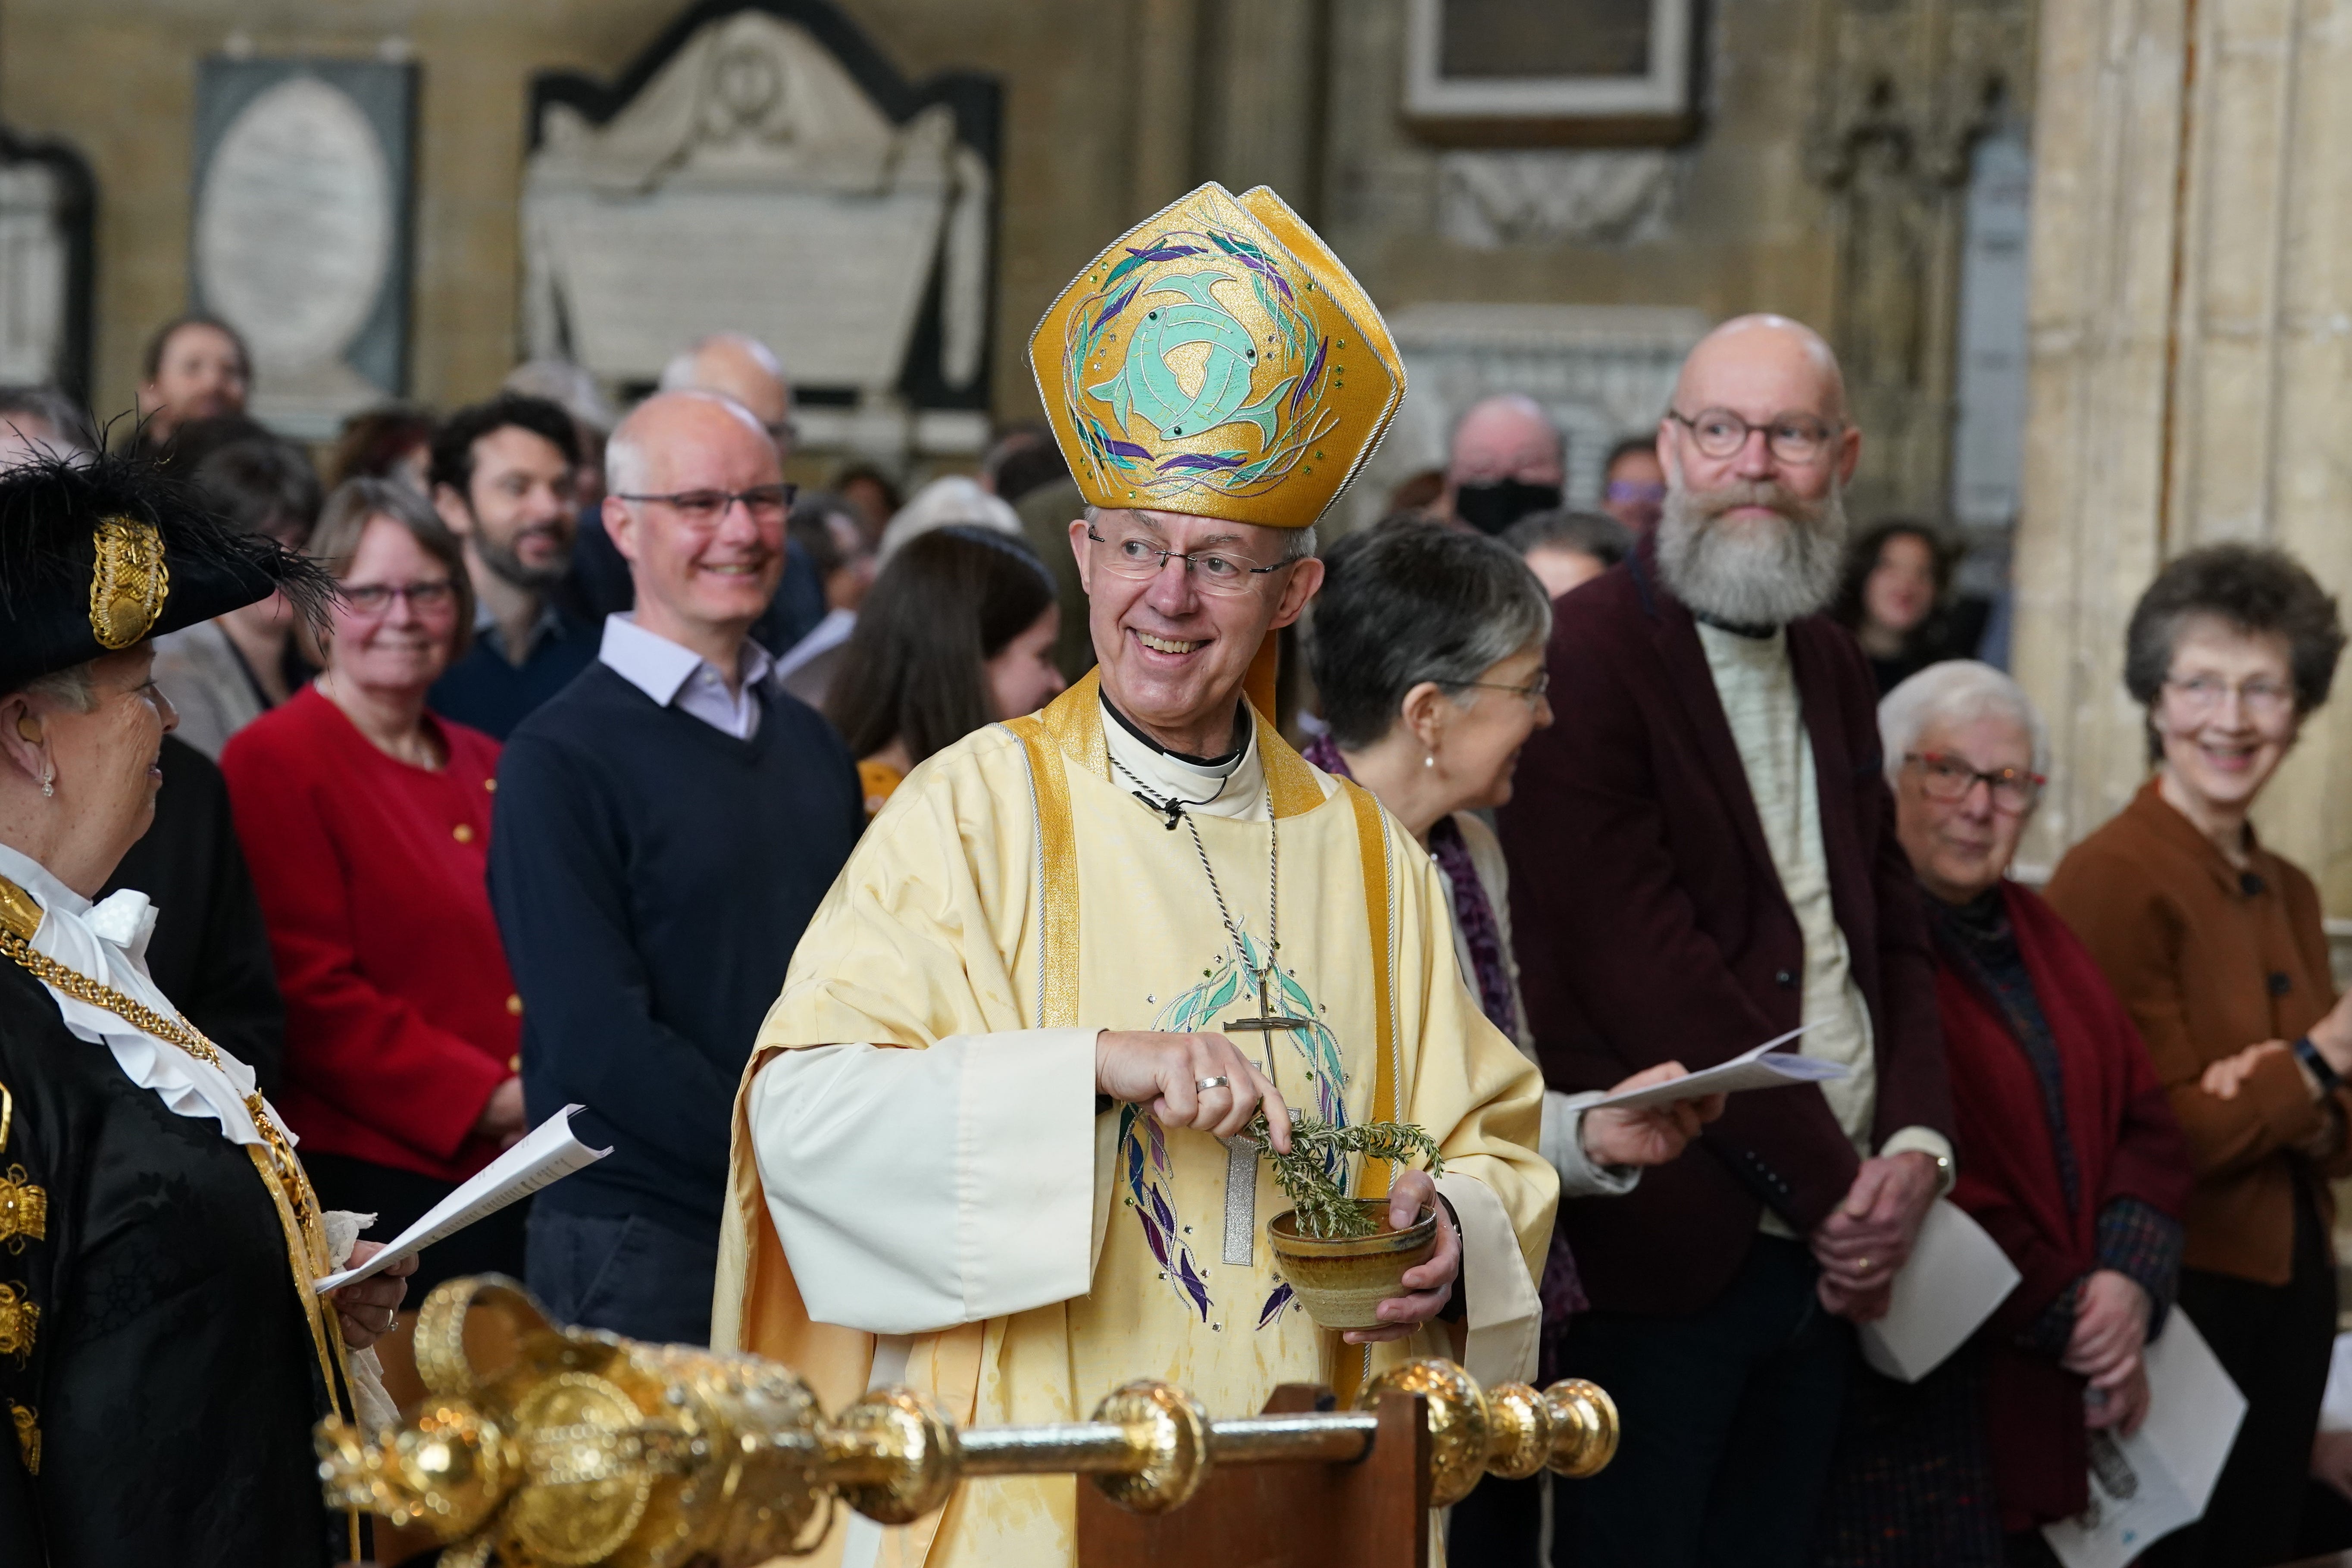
<point x="367" y="822"/>
<point x="2216" y="945"/>
<point x="2068" y="1157"/>
<point x="163" y="1355"/>
<point x="1428" y="654"/>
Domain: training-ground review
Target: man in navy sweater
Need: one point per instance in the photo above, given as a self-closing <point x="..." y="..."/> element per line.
<point x="664" y="827"/>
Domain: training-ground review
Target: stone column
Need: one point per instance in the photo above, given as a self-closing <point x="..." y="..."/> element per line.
<point x="2192" y="315"/>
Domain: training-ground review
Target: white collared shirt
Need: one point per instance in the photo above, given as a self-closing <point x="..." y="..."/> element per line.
<point x="107" y="941"/>
<point x="679" y="677"/>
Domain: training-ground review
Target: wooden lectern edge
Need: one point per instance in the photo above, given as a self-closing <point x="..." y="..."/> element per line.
<point x="1371" y="1512"/>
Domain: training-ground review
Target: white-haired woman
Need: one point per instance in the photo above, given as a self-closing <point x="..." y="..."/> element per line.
<point x="1428" y="654"/>
<point x="2067" y="1152"/>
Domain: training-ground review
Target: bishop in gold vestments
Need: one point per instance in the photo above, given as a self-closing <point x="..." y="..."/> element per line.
<point x="971" y="1156"/>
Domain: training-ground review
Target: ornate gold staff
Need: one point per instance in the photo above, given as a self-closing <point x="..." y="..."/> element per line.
<point x="583" y="1447"/>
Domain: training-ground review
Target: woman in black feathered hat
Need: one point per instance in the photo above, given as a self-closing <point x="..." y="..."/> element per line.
<point x="161" y="1356"/>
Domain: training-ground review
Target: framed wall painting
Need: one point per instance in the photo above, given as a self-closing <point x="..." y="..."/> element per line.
<point x="1552" y="72"/>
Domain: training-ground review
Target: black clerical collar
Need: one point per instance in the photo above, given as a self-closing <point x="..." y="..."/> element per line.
<point x="1737" y="628"/>
<point x="1206" y="764"/>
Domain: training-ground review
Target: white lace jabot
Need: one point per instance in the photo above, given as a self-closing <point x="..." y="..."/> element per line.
<point x="108" y="942"/>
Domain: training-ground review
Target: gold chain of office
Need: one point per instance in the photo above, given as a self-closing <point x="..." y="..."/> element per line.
<point x="178" y="1032"/>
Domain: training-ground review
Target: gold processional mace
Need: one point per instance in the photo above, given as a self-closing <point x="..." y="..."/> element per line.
<point x="583" y="1447"/>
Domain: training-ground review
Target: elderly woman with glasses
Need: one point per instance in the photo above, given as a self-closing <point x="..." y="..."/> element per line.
<point x="2216" y="945"/>
<point x="2067" y="1155"/>
<point x="366" y="819"/>
<point x="1428" y="654"/>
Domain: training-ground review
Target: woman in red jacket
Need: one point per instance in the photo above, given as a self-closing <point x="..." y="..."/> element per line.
<point x="367" y="821"/>
<point x="2068" y="1154"/>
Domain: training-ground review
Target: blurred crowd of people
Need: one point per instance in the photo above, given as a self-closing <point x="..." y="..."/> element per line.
<point x="605" y="702"/>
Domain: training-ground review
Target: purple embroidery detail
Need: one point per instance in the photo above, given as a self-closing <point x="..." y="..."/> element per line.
<point x="1274" y="1303"/>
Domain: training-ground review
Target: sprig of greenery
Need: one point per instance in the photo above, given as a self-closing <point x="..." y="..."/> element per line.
<point x="1326" y="1211"/>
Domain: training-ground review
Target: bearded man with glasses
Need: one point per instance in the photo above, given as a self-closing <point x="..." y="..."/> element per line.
<point x="982" y="1147"/>
<point x="1702" y="855"/>
<point x="666" y="827"/>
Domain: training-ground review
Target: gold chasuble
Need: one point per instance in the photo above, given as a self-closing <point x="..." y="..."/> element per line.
<point x="925" y="1189"/>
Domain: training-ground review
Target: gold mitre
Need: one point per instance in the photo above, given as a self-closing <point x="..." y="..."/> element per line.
<point x="1217" y="360"/>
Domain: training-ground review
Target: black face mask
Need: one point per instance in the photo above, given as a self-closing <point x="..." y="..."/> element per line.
<point x="1490" y="509"/>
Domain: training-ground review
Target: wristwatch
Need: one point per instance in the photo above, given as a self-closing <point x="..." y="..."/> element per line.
<point x="2330" y="1080"/>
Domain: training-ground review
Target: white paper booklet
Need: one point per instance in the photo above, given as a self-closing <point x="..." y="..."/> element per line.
<point x="546" y="1155"/>
<point x="1763" y="1068"/>
<point x="1954" y="1279"/>
<point x="2145" y="1486"/>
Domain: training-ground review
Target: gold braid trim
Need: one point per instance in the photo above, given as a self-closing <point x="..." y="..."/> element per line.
<point x="28" y="1423"/>
<point x="23" y="1207"/>
<point x="281" y="1171"/>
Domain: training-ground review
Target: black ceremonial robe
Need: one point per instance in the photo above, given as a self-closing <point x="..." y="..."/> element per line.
<point x="170" y="1384"/>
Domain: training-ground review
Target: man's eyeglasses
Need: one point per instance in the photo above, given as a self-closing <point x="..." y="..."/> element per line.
<point x="1794" y="438"/>
<point x="1212" y="571"/>
<point x="371" y="599"/>
<point x="766" y="503"/>
<point x="1949" y="778"/>
<point x="1531" y="693"/>
<point x="2264" y="701"/>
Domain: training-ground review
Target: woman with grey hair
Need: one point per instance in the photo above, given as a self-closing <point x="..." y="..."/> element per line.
<point x="2216" y="945"/>
<point x="1428" y="652"/>
<point x="2067" y="1155"/>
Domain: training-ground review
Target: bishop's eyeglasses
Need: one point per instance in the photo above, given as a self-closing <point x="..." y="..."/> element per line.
<point x="1949" y="778"/>
<point x="1211" y="571"/>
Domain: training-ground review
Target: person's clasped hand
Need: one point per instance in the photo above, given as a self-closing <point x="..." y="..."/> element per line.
<point x="1428" y="1286"/>
<point x="1646" y="1134"/>
<point x="1867" y="1239"/>
<point x="368" y="1309"/>
<point x="2110" y="1331"/>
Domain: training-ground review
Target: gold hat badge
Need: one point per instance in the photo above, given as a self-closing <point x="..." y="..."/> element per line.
<point x="128" y="581"/>
<point x="1217" y="360"/>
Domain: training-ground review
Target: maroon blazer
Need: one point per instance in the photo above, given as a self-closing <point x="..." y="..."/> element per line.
<point x="1650" y="927"/>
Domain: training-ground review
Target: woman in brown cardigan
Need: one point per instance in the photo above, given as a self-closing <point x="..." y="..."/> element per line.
<point x="2215" y="945"/>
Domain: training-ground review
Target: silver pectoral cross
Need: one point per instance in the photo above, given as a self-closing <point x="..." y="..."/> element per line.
<point x="1241" y="1153"/>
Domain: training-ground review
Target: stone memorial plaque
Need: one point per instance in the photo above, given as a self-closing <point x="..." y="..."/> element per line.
<point x="1533" y="71"/>
<point x="763" y="169"/>
<point x="46" y="209"/>
<point x="300" y="231"/>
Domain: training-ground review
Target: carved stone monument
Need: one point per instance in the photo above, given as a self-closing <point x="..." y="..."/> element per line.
<point x="762" y="168"/>
<point x="46" y="208"/>
<point x="300" y="231"/>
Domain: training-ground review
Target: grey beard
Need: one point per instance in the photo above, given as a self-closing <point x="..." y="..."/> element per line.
<point x="1753" y="578"/>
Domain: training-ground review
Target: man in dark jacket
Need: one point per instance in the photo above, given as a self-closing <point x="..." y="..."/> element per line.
<point x="1702" y="855"/>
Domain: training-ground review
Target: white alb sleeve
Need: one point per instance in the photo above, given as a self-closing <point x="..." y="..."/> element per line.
<point x="914" y="1190"/>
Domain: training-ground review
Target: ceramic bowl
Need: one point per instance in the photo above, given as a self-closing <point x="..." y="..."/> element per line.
<point x="1342" y="1283"/>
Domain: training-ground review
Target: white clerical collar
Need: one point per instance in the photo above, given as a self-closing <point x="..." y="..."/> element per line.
<point x="107" y="941"/>
<point x="1231" y="788"/>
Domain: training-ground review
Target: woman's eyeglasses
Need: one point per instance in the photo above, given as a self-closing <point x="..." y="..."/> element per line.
<point x="2200" y="695"/>
<point x="1949" y="778"/>
<point x="373" y="599"/>
<point x="1531" y="693"/>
